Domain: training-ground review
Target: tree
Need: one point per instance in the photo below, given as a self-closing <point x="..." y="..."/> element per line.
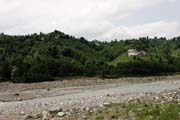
<point x="5" y="71"/>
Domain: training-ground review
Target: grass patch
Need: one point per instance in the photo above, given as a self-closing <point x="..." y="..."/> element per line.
<point x="121" y="59"/>
<point x="135" y="111"/>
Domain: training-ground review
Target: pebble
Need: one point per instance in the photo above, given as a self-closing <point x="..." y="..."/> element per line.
<point x="87" y="109"/>
<point x="84" y="117"/>
<point x="1" y="102"/>
<point x="130" y="98"/>
<point x="46" y="115"/>
<point x="106" y="104"/>
<point x="22" y="113"/>
<point x="27" y="117"/>
<point x="61" y="114"/>
<point x="19" y="99"/>
<point x="101" y="105"/>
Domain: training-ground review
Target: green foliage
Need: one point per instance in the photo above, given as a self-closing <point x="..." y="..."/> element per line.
<point x="145" y="68"/>
<point x="41" y="57"/>
<point x="5" y="71"/>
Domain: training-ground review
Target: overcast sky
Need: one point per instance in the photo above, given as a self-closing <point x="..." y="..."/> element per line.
<point x="93" y="19"/>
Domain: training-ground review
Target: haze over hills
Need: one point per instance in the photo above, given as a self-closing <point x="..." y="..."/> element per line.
<point x="41" y="57"/>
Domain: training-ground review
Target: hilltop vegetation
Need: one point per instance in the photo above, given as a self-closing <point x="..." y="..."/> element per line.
<point x="41" y="57"/>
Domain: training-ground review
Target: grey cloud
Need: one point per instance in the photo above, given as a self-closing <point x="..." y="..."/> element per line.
<point x="93" y="19"/>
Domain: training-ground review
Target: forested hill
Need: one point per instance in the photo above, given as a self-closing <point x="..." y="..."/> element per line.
<point x="42" y="57"/>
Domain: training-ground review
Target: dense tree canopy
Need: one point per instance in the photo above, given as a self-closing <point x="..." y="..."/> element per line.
<point x="41" y="57"/>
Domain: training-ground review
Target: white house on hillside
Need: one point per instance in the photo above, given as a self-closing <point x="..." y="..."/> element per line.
<point x="134" y="52"/>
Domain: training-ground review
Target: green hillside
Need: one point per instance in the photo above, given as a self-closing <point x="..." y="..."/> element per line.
<point x="121" y="59"/>
<point x="41" y="57"/>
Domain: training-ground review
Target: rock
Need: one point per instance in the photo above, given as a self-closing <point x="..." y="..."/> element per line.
<point x="54" y="119"/>
<point x="101" y="105"/>
<point x="91" y="111"/>
<point x="19" y="99"/>
<point x="94" y="109"/>
<point x="22" y="113"/>
<point x="87" y="109"/>
<point x="84" y="117"/>
<point x="130" y="99"/>
<point x="56" y="110"/>
<point x="179" y="114"/>
<point x="156" y="98"/>
<point x="36" y="116"/>
<point x="61" y="114"/>
<point x="62" y="103"/>
<point x="27" y="117"/>
<point x="46" y="115"/>
<point x="150" y="117"/>
<point x="33" y="116"/>
<point x="1" y="102"/>
<point x="170" y="99"/>
<point x="106" y="104"/>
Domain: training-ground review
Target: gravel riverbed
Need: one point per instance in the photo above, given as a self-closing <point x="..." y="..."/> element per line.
<point x="32" y="101"/>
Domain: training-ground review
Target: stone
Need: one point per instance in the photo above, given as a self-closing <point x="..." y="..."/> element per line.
<point x="61" y="114"/>
<point x="91" y="111"/>
<point x="156" y="98"/>
<point x="36" y="116"/>
<point x="179" y="114"/>
<point x="22" y="113"/>
<point x="46" y="115"/>
<point x="106" y="103"/>
<point x="27" y="117"/>
<point x="56" y="110"/>
<point x="19" y="99"/>
<point x="101" y="105"/>
<point x="87" y="109"/>
<point x="84" y="117"/>
<point x="130" y="99"/>
<point x="1" y="102"/>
